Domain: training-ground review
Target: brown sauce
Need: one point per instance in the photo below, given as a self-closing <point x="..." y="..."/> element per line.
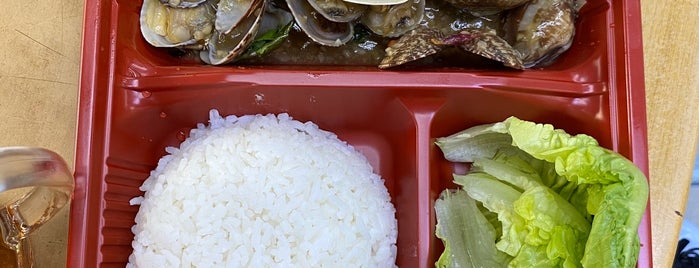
<point x="8" y="258"/>
<point x="367" y="48"/>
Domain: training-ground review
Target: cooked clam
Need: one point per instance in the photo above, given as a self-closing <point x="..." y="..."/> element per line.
<point x="394" y="20"/>
<point x="541" y="30"/>
<point x="225" y="47"/>
<point x="518" y="33"/>
<point x="164" y="26"/>
<point x="338" y="10"/>
<point x="423" y="42"/>
<point x="317" y="27"/>
<point x="182" y="3"/>
<point x="448" y="20"/>
<point x="412" y="46"/>
<point x="486" y="7"/>
<point x="231" y="12"/>
<point x="274" y="17"/>
<point x="486" y="43"/>
<point x="377" y="2"/>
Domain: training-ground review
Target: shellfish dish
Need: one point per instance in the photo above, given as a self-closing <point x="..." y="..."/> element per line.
<point x="517" y="34"/>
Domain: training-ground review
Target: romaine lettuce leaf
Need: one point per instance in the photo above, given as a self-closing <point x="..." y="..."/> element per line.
<point x="580" y="178"/>
<point x="468" y="237"/>
<point x="497" y="197"/>
<point x="617" y="196"/>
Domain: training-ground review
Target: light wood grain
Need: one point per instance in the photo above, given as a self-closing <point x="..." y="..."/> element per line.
<point x="671" y="39"/>
<point x="40" y="73"/>
<point x="40" y="55"/>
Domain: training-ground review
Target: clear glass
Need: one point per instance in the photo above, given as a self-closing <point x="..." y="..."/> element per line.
<point x="35" y="184"/>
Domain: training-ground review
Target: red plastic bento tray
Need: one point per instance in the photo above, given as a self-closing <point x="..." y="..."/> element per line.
<point x="135" y="100"/>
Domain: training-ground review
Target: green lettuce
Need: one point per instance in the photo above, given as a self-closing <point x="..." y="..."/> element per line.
<point x="562" y="199"/>
<point x="469" y="231"/>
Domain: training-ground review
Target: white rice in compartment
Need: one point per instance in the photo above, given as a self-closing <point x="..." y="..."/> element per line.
<point x="263" y="191"/>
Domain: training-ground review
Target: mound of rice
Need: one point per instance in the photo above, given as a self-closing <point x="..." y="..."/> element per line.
<point x="263" y="191"/>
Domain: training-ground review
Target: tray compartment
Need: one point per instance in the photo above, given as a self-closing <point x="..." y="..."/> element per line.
<point x="371" y="120"/>
<point x="135" y="100"/>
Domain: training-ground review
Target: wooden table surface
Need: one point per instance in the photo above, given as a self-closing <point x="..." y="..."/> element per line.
<point x="40" y="58"/>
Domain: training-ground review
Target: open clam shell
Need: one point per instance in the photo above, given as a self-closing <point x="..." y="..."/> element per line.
<point x="229" y="13"/>
<point x="338" y="10"/>
<point x="182" y="3"/>
<point x="165" y="26"/>
<point x="377" y="2"/>
<point x="226" y="47"/>
<point x="541" y="30"/>
<point x="486" y="7"/>
<point x="317" y="27"/>
<point x="412" y="46"/>
<point x="394" y="20"/>
<point x="486" y="43"/>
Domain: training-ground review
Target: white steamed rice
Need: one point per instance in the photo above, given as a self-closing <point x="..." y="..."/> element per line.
<point x="263" y="191"/>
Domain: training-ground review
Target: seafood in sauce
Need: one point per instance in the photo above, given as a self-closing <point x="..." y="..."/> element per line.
<point x="224" y="47"/>
<point x="317" y="27"/>
<point x="338" y="10"/>
<point x="542" y="29"/>
<point x="182" y="3"/>
<point x="533" y="34"/>
<point x="519" y="34"/>
<point x="394" y="20"/>
<point x="231" y="12"/>
<point x="486" y="7"/>
<point x="164" y="26"/>
<point x="415" y="45"/>
<point x="486" y="43"/>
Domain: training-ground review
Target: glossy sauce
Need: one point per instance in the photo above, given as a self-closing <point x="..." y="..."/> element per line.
<point x="8" y="259"/>
<point x="367" y="48"/>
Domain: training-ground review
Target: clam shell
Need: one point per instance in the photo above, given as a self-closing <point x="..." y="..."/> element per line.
<point x="541" y="30"/>
<point x="486" y="7"/>
<point x="318" y="28"/>
<point x="231" y="12"/>
<point x="157" y="19"/>
<point x="394" y="20"/>
<point x="377" y="2"/>
<point x="338" y="10"/>
<point x="486" y="43"/>
<point x="412" y="46"/>
<point x="226" y="47"/>
<point x="182" y="3"/>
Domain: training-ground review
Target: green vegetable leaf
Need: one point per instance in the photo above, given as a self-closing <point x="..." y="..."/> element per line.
<point x="546" y="185"/>
<point x="522" y="177"/>
<point x="618" y="195"/>
<point x="268" y="41"/>
<point x="468" y="237"/>
<point x="497" y="197"/>
<point x="477" y="142"/>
